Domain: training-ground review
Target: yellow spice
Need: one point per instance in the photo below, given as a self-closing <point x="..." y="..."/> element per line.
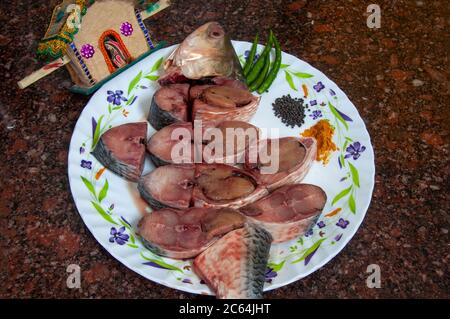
<point x="323" y="132"/>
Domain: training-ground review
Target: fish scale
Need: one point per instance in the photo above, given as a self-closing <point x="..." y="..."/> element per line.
<point x="241" y="278"/>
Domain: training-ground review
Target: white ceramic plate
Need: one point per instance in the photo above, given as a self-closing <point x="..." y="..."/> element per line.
<point x="111" y="207"/>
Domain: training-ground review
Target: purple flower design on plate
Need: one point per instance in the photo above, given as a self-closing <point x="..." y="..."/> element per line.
<point x="321" y="224"/>
<point x="270" y="274"/>
<point x="82" y="150"/>
<point x="86" y="164"/>
<point x="313" y="103"/>
<point x="342" y="223"/>
<point x="118" y="236"/>
<point x="319" y="86"/>
<point x="316" y="114"/>
<point x="354" y="150"/>
<point x="116" y="97"/>
<point x="187" y="281"/>
<point x="338" y="237"/>
<point x="247" y="53"/>
<point x="126" y="29"/>
<point x="332" y="93"/>
<point x="87" y="51"/>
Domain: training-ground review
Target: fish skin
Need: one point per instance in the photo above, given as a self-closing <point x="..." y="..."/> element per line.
<point x="242" y="255"/>
<point x="294" y="175"/>
<point x="159" y="118"/>
<point x="160" y="195"/>
<point x="206" y="52"/>
<point x="106" y="157"/>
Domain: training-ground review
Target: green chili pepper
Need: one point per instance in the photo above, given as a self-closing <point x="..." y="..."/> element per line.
<point x="259" y="81"/>
<point x="251" y="77"/>
<point x="275" y="68"/>
<point x="251" y="56"/>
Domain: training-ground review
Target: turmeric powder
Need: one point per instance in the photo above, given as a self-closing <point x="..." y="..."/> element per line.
<point x="323" y="132"/>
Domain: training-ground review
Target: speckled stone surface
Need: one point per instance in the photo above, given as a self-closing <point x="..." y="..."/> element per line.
<point x="397" y="76"/>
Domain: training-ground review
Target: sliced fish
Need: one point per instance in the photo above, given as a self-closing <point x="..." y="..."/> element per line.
<point x="185" y="234"/>
<point x="220" y="185"/>
<point x="200" y="185"/>
<point x="169" y="105"/>
<point x="210" y="111"/>
<point x="168" y="186"/>
<point x="161" y="144"/>
<point x="288" y="212"/>
<point x="122" y="150"/>
<point x="175" y="144"/>
<point x="236" y="137"/>
<point x="234" y="266"/>
<point x="294" y="156"/>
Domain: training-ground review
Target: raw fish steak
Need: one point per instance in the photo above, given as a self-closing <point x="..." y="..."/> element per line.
<point x="294" y="155"/>
<point x="288" y="212"/>
<point x="185" y="234"/>
<point x="122" y="150"/>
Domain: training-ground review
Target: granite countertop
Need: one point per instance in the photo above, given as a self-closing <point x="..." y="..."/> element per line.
<point x="397" y="76"/>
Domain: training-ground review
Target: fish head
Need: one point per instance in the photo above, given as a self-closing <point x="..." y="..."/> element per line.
<point x="206" y="52"/>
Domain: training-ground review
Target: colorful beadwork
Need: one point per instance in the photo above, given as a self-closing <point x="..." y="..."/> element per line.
<point x="144" y="29"/>
<point x="54" y="44"/>
<point x="82" y="64"/>
<point x="126" y="29"/>
<point x="87" y="51"/>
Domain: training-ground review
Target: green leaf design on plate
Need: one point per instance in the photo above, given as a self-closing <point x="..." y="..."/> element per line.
<point x="130" y="100"/>
<point x="102" y="212"/>
<point x="342" y="160"/>
<point x="355" y="174"/>
<point x="103" y="191"/>
<point x="89" y="186"/>
<point x="276" y="267"/>
<point x="157" y="65"/>
<point x="134" y="82"/>
<point x="132" y="239"/>
<point x="337" y="115"/>
<point x="284" y="66"/>
<point x="132" y="246"/>
<point x="309" y="251"/>
<point x="341" y="195"/>
<point x="124" y="224"/>
<point x="290" y="80"/>
<point x="152" y="77"/>
<point x="162" y="263"/>
<point x="352" y="204"/>
<point x="97" y="131"/>
<point x="109" y="108"/>
<point x="302" y="75"/>
<point x="300" y="241"/>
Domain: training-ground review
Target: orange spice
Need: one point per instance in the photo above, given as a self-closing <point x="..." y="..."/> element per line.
<point x="323" y="132"/>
